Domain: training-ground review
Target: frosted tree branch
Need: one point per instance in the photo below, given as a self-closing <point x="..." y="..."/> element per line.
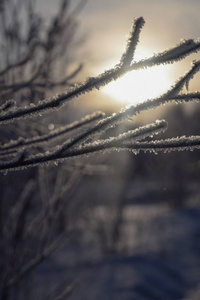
<point x="179" y="143"/>
<point x="78" y="144"/>
<point x="21" y="142"/>
<point x="184" y="80"/>
<point x="131" y="135"/>
<point x="7" y="106"/>
<point x="175" y="54"/>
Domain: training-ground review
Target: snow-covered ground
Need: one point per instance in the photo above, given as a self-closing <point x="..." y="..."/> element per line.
<point x="160" y="259"/>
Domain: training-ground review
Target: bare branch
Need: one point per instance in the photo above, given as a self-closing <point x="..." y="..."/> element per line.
<point x="37" y="260"/>
<point x="23" y="60"/>
<point x="47" y="84"/>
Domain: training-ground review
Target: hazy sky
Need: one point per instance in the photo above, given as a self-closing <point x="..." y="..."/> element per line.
<point x="166" y="23"/>
<point x="106" y="24"/>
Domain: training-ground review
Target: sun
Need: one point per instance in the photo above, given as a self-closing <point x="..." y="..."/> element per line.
<point x="140" y="85"/>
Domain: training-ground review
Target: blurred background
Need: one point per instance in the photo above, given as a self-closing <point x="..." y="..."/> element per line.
<point x="113" y="225"/>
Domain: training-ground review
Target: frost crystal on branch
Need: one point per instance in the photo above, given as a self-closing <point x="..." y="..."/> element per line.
<point x="15" y="155"/>
<point x="9" y="104"/>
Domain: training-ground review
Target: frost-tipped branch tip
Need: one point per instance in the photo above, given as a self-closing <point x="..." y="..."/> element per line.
<point x="132" y="42"/>
<point x="183" y="80"/>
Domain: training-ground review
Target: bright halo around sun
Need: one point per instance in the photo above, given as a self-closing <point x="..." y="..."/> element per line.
<point x="140" y="85"/>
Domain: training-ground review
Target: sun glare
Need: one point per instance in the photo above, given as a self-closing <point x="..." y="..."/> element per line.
<point x="140" y="85"/>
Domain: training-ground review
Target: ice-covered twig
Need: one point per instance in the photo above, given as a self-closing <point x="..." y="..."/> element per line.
<point x="167" y="97"/>
<point x="131" y="136"/>
<point x="188" y="97"/>
<point x="21" y="142"/>
<point x="9" y="104"/>
<point x="62" y="153"/>
<point x="167" y="145"/>
<point x="132" y="42"/>
<point x="174" y="144"/>
<point x="183" y="80"/>
<point x="180" y="143"/>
